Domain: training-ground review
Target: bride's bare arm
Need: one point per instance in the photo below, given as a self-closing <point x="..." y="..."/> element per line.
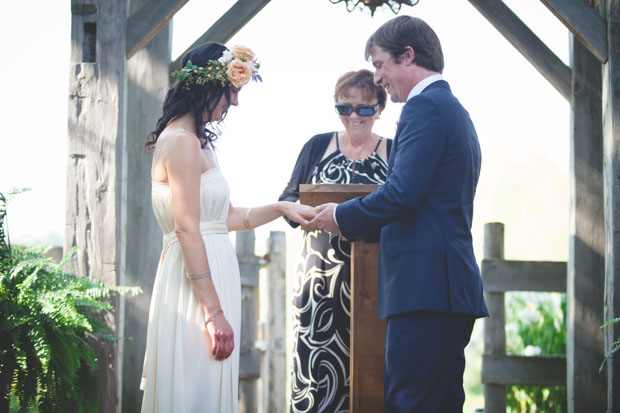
<point x="240" y="219"/>
<point x="184" y="167"/>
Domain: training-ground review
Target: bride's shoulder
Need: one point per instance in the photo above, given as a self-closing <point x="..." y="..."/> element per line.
<point x="178" y="140"/>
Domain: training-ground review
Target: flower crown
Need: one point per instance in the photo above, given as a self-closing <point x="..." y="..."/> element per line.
<point x="235" y="67"/>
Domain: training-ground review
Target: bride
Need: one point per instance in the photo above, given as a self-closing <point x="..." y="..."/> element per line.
<point x="192" y="352"/>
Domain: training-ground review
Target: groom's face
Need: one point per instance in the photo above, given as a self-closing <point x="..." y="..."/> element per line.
<point x="390" y="74"/>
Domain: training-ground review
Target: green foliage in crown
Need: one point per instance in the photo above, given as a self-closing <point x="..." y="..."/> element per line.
<point x="48" y="320"/>
<point x="235" y="67"/>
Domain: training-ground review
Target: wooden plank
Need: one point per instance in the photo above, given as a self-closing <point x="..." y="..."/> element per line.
<point x="495" y="325"/>
<point x="367" y="332"/>
<point x="249" y="356"/>
<point x="315" y="195"/>
<point x="274" y="390"/>
<point x="586" y="387"/>
<point x="528" y="371"/>
<point x="94" y="201"/>
<point x="249" y="368"/>
<point x="611" y="179"/>
<point x="148" y="20"/>
<point x="227" y="26"/>
<point x="584" y="22"/>
<point x="147" y="83"/>
<point x="502" y="276"/>
<point x="527" y="43"/>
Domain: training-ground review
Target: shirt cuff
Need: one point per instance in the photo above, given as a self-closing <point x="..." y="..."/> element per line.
<point x="335" y="217"/>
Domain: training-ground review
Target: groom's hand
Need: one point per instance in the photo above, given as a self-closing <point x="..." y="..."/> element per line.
<point x="325" y="219"/>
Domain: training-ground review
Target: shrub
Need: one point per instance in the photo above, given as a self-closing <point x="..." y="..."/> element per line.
<point x="48" y="320"/>
<point x="536" y="326"/>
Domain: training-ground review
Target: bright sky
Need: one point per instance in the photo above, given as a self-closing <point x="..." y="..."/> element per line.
<point x="304" y="46"/>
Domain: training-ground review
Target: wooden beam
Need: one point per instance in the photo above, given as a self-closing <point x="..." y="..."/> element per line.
<point x="502" y="276"/>
<point x="94" y="197"/>
<point x="148" y="20"/>
<point x="527" y="43"/>
<point x="522" y="370"/>
<point x="146" y="85"/>
<point x="584" y="22"/>
<point x="586" y="388"/>
<point x="227" y="26"/>
<point x="495" y="325"/>
<point x="611" y="184"/>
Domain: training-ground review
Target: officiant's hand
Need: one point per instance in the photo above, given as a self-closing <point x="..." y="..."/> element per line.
<point x="325" y="219"/>
<point x="302" y="214"/>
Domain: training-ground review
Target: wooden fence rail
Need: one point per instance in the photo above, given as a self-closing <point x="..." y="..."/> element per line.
<point x="500" y="276"/>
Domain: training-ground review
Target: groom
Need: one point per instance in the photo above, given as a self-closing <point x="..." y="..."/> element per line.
<point x="430" y="288"/>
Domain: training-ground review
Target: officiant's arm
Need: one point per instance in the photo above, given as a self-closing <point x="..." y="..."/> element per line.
<point x="240" y="219"/>
<point x="421" y="143"/>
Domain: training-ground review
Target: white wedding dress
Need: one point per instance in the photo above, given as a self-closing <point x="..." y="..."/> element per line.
<point x="180" y="374"/>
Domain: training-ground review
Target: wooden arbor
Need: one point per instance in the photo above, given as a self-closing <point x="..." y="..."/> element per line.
<point x="120" y="59"/>
<point x="593" y="274"/>
<point x="120" y="63"/>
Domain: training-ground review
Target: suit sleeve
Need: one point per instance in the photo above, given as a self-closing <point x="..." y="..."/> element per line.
<point x="419" y="144"/>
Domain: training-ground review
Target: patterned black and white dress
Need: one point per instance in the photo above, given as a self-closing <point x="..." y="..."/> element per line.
<point x="321" y="299"/>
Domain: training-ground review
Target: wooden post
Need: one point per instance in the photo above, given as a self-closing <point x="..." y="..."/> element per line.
<point x="249" y="357"/>
<point x="611" y="177"/>
<point x="275" y="327"/>
<point x="586" y="387"/>
<point x="95" y="168"/>
<point x="494" y="326"/>
<point x="147" y="83"/>
<point x="367" y="332"/>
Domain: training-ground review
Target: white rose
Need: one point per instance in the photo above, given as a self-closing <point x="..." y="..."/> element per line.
<point x="227" y="56"/>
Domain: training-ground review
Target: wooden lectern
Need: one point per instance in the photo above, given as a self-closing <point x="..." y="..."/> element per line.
<point x="367" y="329"/>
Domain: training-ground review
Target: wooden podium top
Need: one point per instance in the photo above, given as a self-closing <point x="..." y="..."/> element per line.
<point x="318" y="194"/>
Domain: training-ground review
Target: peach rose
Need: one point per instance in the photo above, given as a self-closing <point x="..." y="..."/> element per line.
<point x="243" y="53"/>
<point x="239" y="73"/>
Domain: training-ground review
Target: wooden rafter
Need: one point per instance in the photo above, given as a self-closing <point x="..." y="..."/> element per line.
<point x="527" y="43"/>
<point x="227" y="26"/>
<point x="584" y="22"/>
<point x="148" y="20"/>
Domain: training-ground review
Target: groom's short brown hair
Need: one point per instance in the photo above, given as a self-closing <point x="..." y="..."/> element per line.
<point x="394" y="35"/>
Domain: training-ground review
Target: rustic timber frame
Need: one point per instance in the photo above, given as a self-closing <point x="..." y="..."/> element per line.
<point x="120" y="61"/>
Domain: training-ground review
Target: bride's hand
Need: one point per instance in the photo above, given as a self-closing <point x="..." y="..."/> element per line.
<point x="302" y="214"/>
<point x="222" y="337"/>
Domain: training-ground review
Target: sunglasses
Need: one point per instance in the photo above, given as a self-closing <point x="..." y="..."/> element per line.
<point x="347" y="110"/>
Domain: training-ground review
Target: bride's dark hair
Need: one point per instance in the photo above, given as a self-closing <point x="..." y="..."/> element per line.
<point x="180" y="101"/>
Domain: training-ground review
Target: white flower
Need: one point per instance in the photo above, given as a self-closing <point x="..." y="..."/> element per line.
<point x="532" y="351"/>
<point x="527" y="316"/>
<point x="227" y="56"/>
<point x="512" y="328"/>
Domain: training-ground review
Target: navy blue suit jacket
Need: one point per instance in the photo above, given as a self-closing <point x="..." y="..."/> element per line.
<point x="424" y="211"/>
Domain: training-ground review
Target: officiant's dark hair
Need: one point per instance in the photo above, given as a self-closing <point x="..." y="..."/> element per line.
<point x="394" y="35"/>
<point x="181" y="100"/>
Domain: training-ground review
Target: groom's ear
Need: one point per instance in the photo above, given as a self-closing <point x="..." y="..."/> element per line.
<point x="408" y="56"/>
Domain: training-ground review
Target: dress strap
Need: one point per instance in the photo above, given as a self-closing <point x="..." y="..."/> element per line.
<point x="337" y="144"/>
<point x="378" y="143"/>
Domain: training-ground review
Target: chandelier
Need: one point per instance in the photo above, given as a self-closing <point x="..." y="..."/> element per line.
<point x="394" y="5"/>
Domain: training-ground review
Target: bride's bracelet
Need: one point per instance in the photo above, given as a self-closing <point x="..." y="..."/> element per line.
<point x="213" y="315"/>
<point x="198" y="275"/>
<point x="246" y="219"/>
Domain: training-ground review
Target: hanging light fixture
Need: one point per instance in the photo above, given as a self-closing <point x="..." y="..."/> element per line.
<point x="394" y="5"/>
